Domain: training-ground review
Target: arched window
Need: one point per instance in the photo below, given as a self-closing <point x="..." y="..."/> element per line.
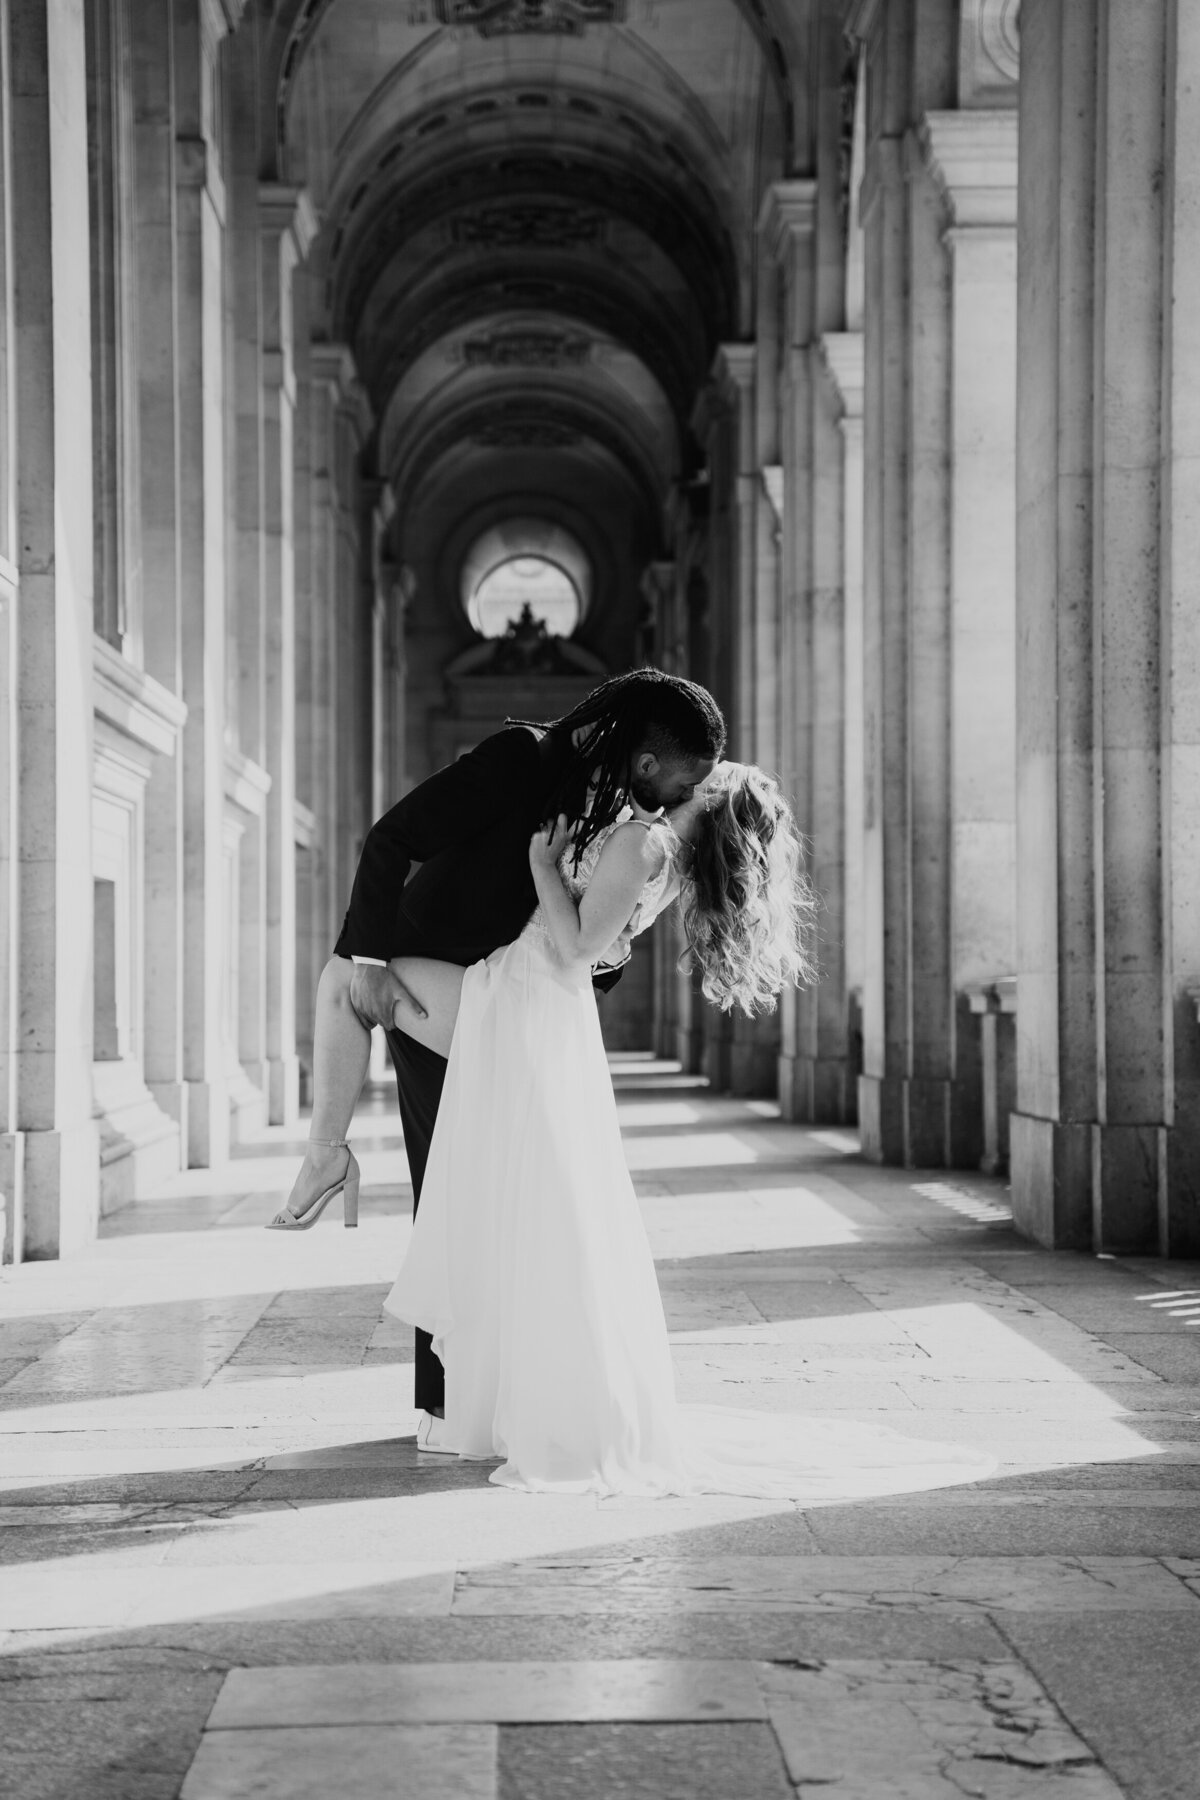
<point x="526" y="563"/>
<point x="532" y="581"/>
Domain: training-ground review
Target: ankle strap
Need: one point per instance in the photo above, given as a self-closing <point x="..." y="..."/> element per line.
<point x="332" y="1143"/>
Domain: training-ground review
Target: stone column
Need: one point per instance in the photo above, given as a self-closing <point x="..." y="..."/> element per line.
<point x="51" y="1080"/>
<point x="247" y="781"/>
<point x="288" y="226"/>
<point x="725" y="421"/>
<point x="341" y="420"/>
<point x="973" y="158"/>
<point x="153" y="247"/>
<point x="1104" y="1141"/>
<point x="785" y="228"/>
<point x="201" y="390"/>
<point x="842" y="353"/>
<point x="936" y="794"/>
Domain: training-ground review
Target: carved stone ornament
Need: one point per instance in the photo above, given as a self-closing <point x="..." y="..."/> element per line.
<point x="526" y="434"/>
<point x="989" y="54"/>
<point x="529" y="349"/>
<point x="523" y="225"/>
<point x="505" y="18"/>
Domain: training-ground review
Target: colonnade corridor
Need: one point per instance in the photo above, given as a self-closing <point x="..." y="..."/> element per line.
<point x="228" y="1572"/>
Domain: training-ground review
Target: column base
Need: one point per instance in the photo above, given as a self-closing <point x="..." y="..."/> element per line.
<point x="716" y="1055"/>
<point x="62" y="1191"/>
<point x="917" y="1123"/>
<point x="1129" y="1188"/>
<point x="208" y="1124"/>
<point x="247" y="1102"/>
<point x="881" y="1118"/>
<point x="140" y="1142"/>
<point x="689" y="1049"/>
<point x="12" y="1197"/>
<point x="754" y="1058"/>
<point x="817" y="1090"/>
<point x="1050" y="1169"/>
<point x="283" y="1090"/>
<point x="1181" y="1212"/>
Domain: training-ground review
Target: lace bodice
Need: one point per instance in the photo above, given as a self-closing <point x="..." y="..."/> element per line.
<point x="578" y="880"/>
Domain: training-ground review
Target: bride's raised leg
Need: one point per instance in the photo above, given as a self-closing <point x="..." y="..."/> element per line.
<point x="341" y="1055"/>
<point x="438" y="986"/>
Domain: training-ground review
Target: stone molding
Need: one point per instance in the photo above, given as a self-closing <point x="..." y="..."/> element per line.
<point x="841" y="354"/>
<point x="510" y="18"/>
<point x="788" y="212"/>
<point x="132" y="701"/>
<point x="246" y="783"/>
<point x="989" y="53"/>
<point x="773" y="488"/>
<point x="884" y="172"/>
<point x="288" y="212"/>
<point x="972" y="157"/>
<point x="861" y="18"/>
<point x="333" y="367"/>
<point x="734" y="367"/>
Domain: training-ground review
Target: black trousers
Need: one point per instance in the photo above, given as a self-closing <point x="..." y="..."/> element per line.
<point x="420" y="1075"/>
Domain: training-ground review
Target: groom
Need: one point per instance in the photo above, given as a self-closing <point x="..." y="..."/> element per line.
<point x="646" y="736"/>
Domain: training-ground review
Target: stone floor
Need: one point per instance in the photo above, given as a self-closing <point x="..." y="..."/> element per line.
<point x="227" y="1572"/>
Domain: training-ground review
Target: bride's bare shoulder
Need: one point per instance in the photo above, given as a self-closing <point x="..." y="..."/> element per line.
<point x="638" y="845"/>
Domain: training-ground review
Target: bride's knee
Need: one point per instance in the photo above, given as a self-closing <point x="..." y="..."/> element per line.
<point x="333" y="988"/>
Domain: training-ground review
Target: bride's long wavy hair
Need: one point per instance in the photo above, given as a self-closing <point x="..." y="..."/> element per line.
<point x="749" y="909"/>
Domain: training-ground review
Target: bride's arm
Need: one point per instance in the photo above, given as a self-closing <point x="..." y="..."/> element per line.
<point x="582" y="933"/>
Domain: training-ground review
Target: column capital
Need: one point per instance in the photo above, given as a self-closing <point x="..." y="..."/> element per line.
<point x="285" y="211"/>
<point x="841" y="353"/>
<point x="972" y="157"/>
<point x="788" y="212"/>
<point x="218" y="18"/>
<point x="333" y="367"/>
<point x="860" y="18"/>
<point x="734" y="368"/>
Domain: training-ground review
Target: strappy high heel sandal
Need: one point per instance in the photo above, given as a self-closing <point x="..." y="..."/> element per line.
<point x="346" y="1185"/>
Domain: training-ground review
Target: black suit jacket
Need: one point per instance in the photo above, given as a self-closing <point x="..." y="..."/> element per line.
<point x="467" y="829"/>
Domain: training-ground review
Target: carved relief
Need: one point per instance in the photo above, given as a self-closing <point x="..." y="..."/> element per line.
<point x="529" y="349"/>
<point x="504" y="18"/>
<point x="989" y="55"/>
<point x="528" y="224"/>
<point x="526" y="434"/>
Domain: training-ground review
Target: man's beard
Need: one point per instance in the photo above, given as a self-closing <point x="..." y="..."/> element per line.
<point x="646" y="795"/>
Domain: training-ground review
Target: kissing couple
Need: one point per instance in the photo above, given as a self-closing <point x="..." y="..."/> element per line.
<point x="539" y="855"/>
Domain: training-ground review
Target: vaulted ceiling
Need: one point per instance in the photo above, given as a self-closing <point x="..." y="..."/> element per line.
<point x="537" y="219"/>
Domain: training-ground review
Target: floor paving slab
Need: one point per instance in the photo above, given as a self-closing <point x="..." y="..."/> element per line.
<point x="759" y="1637"/>
<point x="1128" y="1687"/>
<point x="789" y="1584"/>
<point x="642" y="1762"/>
<point x="1029" y="1530"/>
<point x="399" y="1762"/>
<point x="522" y="1693"/>
<point x="920" y="1731"/>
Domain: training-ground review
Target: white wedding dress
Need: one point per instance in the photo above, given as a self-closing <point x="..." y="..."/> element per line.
<point x="529" y="1265"/>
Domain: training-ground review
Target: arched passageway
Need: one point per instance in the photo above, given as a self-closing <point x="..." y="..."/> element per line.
<point x="320" y="316"/>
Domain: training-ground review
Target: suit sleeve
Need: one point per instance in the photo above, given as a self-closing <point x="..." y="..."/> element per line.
<point x="450" y="807"/>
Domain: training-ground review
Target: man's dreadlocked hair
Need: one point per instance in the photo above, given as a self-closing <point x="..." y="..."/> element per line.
<point x="642" y="710"/>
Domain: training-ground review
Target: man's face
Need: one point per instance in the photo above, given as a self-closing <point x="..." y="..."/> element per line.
<point x="657" y="782"/>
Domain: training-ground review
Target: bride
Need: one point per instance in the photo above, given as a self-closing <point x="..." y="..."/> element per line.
<point x="529" y="1263"/>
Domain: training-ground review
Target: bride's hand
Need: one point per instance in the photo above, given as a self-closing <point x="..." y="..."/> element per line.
<point x="548" y="844"/>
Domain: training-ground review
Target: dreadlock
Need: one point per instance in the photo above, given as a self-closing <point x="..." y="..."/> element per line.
<point x="644" y="709"/>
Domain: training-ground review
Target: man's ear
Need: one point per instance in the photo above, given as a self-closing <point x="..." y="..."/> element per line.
<point x="645" y="763"/>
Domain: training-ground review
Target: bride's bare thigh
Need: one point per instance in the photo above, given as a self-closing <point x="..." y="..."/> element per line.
<point x="437" y="985"/>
